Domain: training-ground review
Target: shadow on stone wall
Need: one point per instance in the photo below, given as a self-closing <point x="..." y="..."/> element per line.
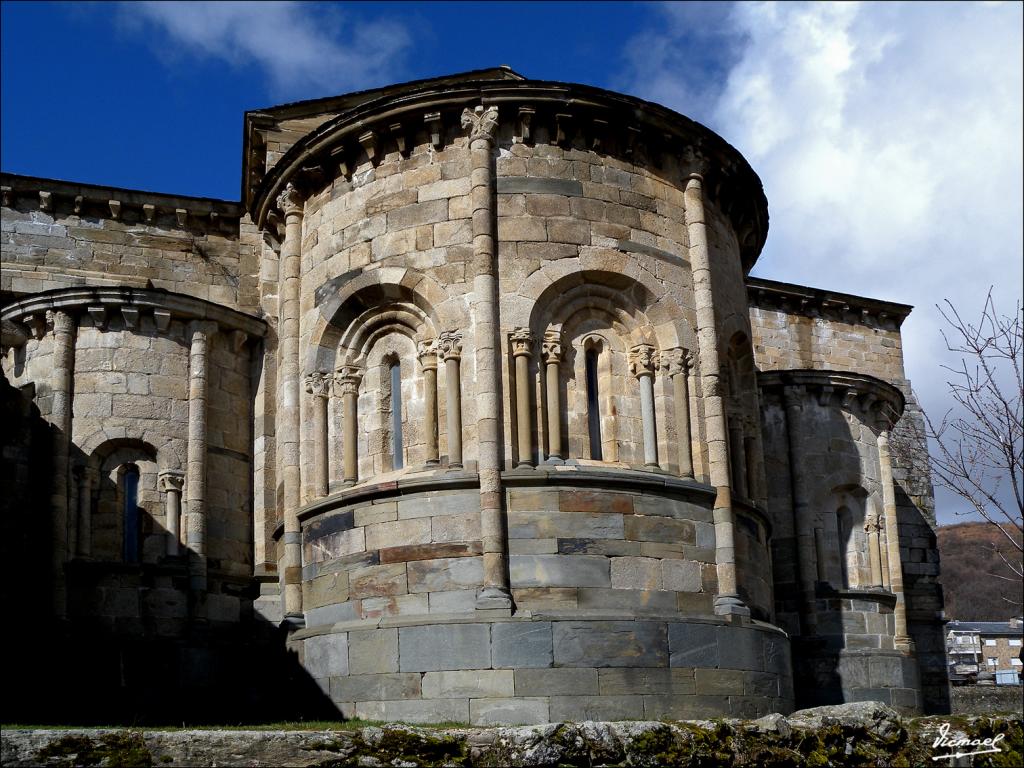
<point x="89" y="669"/>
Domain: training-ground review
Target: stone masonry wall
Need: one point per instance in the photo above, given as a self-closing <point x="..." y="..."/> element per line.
<point x="59" y="247"/>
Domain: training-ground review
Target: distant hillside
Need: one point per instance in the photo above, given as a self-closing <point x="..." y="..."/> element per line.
<point x="972" y="594"/>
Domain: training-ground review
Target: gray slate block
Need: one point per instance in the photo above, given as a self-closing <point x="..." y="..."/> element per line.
<point x="521" y="645"/>
<point x="610" y="644"/>
<point x="560" y="681"/>
<point x="372" y="652"/>
<point x="326" y="655"/>
<point x="581" y="708"/>
<point x="693" y="645"/>
<point x="559" y="571"/>
<point x="508" y="711"/>
<point x="437" y="647"/>
<point x="362" y="687"/>
<point x="542" y="186"/>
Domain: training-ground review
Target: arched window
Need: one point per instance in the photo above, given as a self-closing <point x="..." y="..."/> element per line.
<point x="593" y="404"/>
<point x="395" y="397"/>
<point x="130" y="512"/>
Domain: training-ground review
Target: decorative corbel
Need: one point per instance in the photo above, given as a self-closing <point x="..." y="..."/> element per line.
<point x="600" y="132"/>
<point x="131" y="316"/>
<point x="99" y="317"/>
<point x="45" y="201"/>
<point x="162" y="319"/>
<point x="238" y="339"/>
<point x="148" y="212"/>
<point x="78" y="204"/>
<point x="7" y="197"/>
<point x="398" y="134"/>
<point x="338" y="157"/>
<point x="632" y="139"/>
<point x="525" y="117"/>
<point x="433" y="122"/>
<point x="37" y="324"/>
<point x="563" y="129"/>
<point x="115" y="209"/>
<point x="182" y="215"/>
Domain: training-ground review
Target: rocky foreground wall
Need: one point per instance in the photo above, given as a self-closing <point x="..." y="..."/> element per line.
<point x="862" y="734"/>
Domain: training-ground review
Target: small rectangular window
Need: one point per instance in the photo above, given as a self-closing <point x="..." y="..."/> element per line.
<point x="1015" y="642"/>
<point x="989" y="641"/>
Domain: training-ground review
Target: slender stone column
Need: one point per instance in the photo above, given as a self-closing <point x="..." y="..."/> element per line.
<point x="551" y="351"/>
<point x="482" y="124"/>
<point x="65" y="329"/>
<point x="198" y="406"/>
<point x="676" y="363"/>
<point x="86" y="482"/>
<point x="807" y="568"/>
<point x="728" y="599"/>
<point x="450" y="346"/>
<point x="641" y="365"/>
<point x="428" y="364"/>
<point x="874" y="553"/>
<point x="901" y="638"/>
<point x="522" y="349"/>
<point x="291" y="203"/>
<point x="738" y="458"/>
<point x="319" y="386"/>
<point x="883" y="552"/>
<point x="821" y="555"/>
<point x="348" y="379"/>
<point x="171" y="483"/>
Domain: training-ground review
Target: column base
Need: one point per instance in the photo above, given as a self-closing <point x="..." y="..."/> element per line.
<point x="292" y="622"/>
<point x="554" y="460"/>
<point x="730" y="605"/>
<point x="452" y="467"/>
<point x="489" y="598"/>
<point x="902" y="643"/>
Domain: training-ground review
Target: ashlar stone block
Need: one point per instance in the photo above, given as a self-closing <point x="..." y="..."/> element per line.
<point x="442" y="647"/>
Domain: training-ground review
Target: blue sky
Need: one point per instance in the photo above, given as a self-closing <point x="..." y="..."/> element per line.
<point x="888" y="135"/>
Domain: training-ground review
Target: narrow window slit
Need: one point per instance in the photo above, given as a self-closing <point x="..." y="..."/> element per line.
<point x="593" y="407"/>
<point x="396" y="416"/>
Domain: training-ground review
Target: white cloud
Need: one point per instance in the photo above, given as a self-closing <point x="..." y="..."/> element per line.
<point x="303" y="49"/>
<point x="889" y="140"/>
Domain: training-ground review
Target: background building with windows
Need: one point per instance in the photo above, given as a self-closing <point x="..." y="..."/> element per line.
<point x="469" y="410"/>
<point x="981" y="651"/>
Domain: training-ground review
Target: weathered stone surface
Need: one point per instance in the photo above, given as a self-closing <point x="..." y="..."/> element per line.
<point x="610" y="644"/>
<point x="373" y="652"/>
<point x="381" y="686"/>
<point x="485" y="683"/>
<point x="521" y="645"/>
<point x="559" y="681"/>
<point x="517" y="711"/>
<point x="881" y="739"/>
<point x="441" y="647"/>
<point x="693" y="645"/>
<point x="559" y="571"/>
<point x="326" y="655"/>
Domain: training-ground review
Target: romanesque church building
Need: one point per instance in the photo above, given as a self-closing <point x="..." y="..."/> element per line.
<point x="469" y="410"/>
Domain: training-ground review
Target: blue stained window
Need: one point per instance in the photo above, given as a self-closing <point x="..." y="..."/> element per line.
<point x="131" y="514"/>
<point x="593" y="408"/>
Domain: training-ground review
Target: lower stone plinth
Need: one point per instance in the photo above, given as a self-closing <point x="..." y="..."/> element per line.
<point x="500" y="669"/>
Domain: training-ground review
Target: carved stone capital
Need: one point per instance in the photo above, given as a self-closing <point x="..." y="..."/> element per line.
<point x="347" y="379"/>
<point x="642" y="360"/>
<point x="449" y="344"/>
<point x="426" y="351"/>
<point x="522" y="342"/>
<point x="793" y="395"/>
<point x="551" y="347"/>
<point x="291" y="201"/>
<point x="63" y="322"/>
<point x="318" y="384"/>
<point x="172" y="480"/>
<point x="675" y="361"/>
<point x="482" y="123"/>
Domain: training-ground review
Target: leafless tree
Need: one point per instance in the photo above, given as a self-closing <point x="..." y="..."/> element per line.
<point x="979" y="444"/>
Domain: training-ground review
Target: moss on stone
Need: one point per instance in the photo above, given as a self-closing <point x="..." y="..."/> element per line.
<point x="125" y="749"/>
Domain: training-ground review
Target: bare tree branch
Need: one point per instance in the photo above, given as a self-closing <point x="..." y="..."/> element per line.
<point x="979" y="443"/>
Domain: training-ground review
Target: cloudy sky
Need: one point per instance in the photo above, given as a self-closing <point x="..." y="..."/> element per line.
<point x="888" y="136"/>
